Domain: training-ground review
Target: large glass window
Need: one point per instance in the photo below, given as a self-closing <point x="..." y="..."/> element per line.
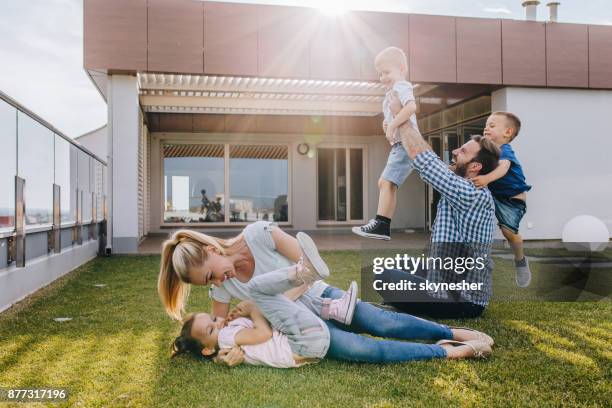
<point x="8" y="165"/>
<point x="35" y="161"/>
<point x="258" y="183"/>
<point x="99" y="174"/>
<point x="63" y="179"/>
<point x="74" y="170"/>
<point x="84" y="179"/>
<point x="340" y="177"/>
<point x="194" y="180"/>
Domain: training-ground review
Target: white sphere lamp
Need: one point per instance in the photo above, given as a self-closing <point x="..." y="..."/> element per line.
<point x="585" y="233"/>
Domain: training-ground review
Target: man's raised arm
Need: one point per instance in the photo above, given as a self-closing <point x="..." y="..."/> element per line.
<point x="412" y="140"/>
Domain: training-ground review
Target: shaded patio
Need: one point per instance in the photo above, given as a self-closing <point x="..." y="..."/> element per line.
<point x="345" y="240"/>
<point x="326" y="240"/>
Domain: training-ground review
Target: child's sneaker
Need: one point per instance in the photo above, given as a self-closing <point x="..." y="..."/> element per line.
<point x="343" y="309"/>
<point x="523" y="273"/>
<point x="375" y="229"/>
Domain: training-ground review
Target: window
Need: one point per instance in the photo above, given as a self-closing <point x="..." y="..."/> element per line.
<point x="99" y="181"/>
<point x="258" y="183"/>
<point x="340" y="184"/>
<point x="8" y="165"/>
<point x="35" y="160"/>
<point x="84" y="179"/>
<point x="74" y="170"/>
<point x="64" y="179"/>
<point x="225" y="183"/>
<point x="194" y="180"/>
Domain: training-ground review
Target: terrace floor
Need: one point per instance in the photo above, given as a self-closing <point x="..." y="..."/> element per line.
<point x="345" y="240"/>
<point x="326" y="241"/>
<point x="115" y="351"/>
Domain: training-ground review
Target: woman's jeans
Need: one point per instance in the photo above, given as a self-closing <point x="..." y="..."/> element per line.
<point x="347" y="344"/>
<point x="308" y="335"/>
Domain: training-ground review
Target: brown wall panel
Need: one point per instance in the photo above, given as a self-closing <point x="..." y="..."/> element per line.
<point x="479" y="51"/>
<point x="230" y="39"/>
<point x="600" y="56"/>
<point x="240" y="123"/>
<point x="153" y="122"/>
<point x="567" y="55"/>
<point x="376" y="31"/>
<point x="433" y="53"/>
<point x="285" y="34"/>
<point x="334" y="51"/>
<point x="115" y="34"/>
<point x="523" y="53"/>
<point x="176" y="36"/>
<point x="190" y="36"/>
<point x="355" y="125"/>
<point x="177" y="122"/>
<point x="270" y="124"/>
<point x="208" y="123"/>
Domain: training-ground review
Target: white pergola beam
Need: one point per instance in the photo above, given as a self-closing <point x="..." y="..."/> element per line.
<point x="255" y="104"/>
<point x="220" y="83"/>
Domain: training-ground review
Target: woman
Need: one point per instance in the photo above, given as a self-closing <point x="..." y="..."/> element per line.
<point x="193" y="258"/>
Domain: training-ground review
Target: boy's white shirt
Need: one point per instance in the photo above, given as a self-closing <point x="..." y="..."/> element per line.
<point x="405" y="93"/>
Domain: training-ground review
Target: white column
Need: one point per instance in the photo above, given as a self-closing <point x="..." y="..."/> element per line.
<point x="123" y="163"/>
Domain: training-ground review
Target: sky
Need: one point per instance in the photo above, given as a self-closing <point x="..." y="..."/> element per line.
<point x="41" y="47"/>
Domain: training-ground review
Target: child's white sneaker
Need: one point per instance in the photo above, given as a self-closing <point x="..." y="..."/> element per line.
<point x="343" y="309"/>
<point x="523" y="273"/>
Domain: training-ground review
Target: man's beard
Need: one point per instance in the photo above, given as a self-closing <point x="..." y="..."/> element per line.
<point x="460" y="169"/>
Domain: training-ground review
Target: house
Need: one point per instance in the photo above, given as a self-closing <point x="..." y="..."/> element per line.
<point x="221" y="114"/>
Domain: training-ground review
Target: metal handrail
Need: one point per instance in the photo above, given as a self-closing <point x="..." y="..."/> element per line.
<point x="49" y="126"/>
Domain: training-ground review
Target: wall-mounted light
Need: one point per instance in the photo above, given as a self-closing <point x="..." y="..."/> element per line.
<point x="303" y="148"/>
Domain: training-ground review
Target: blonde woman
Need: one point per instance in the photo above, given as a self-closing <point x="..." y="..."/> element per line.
<point x="192" y="258"/>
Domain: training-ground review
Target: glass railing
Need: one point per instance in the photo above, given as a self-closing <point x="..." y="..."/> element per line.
<point x="60" y="176"/>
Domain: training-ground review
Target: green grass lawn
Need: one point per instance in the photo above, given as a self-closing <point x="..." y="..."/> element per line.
<point x="115" y="352"/>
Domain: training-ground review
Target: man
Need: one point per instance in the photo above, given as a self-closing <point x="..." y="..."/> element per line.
<point x="463" y="229"/>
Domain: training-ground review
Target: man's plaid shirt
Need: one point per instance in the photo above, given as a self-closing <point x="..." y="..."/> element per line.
<point x="465" y="215"/>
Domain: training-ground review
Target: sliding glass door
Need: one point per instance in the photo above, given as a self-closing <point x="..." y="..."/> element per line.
<point x="340" y="177"/>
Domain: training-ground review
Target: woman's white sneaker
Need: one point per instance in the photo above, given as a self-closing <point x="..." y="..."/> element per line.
<point x="312" y="267"/>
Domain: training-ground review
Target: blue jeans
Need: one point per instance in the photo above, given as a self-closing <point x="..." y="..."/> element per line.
<point x="509" y="212"/>
<point x="347" y="343"/>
